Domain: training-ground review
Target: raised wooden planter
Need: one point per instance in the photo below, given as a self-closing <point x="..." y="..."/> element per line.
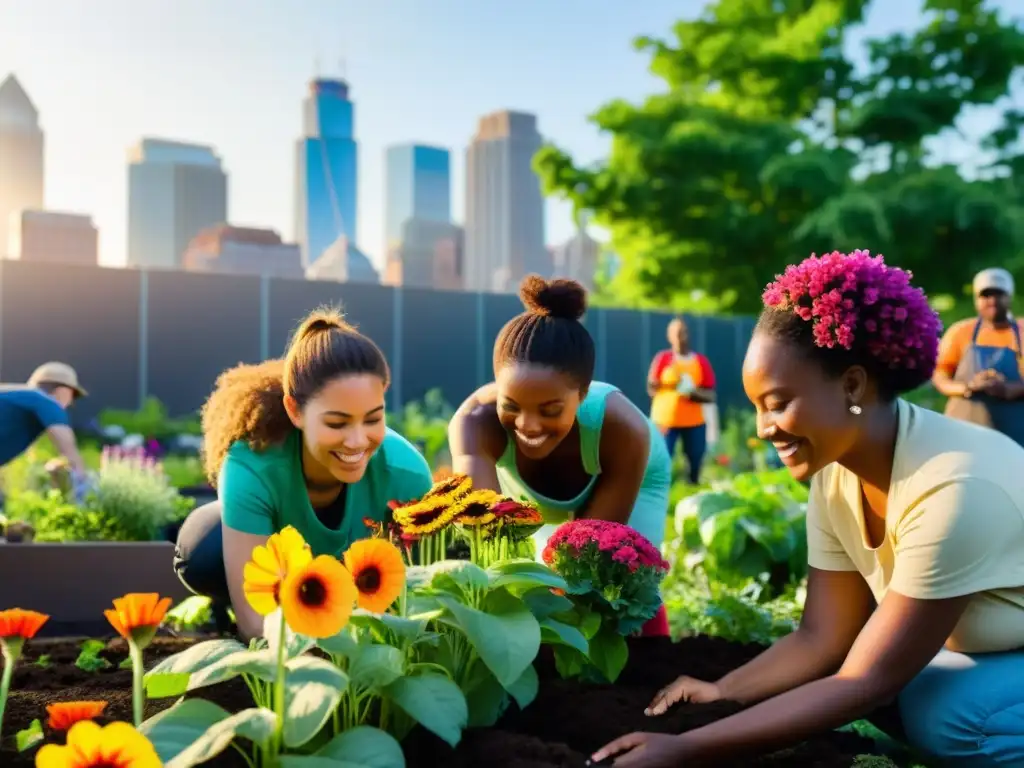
<point x="75" y="582"/>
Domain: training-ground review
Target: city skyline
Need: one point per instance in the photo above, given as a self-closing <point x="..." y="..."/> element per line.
<point x="170" y="71"/>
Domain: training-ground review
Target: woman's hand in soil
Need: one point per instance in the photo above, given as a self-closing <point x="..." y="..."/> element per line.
<point x="683" y="689"/>
<point x="641" y="750"/>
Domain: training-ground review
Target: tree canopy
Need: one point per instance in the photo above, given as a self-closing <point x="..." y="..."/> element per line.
<point x="768" y="144"/>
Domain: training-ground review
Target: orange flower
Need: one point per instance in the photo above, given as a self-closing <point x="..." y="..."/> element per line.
<point x="378" y="570"/>
<point x="117" y="745"/>
<point x="65" y="714"/>
<point x="137" y="615"/>
<point x="317" y="600"/>
<point x="285" y="551"/>
<point x="16" y="623"/>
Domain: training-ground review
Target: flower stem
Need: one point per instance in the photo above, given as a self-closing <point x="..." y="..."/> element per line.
<point x="138" y="689"/>
<point x="10" y="658"/>
<point x="279" y="689"/>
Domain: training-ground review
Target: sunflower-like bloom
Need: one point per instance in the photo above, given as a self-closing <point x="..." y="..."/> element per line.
<point x="378" y="571"/>
<point x="117" y="745"/>
<point x="317" y="599"/>
<point x="474" y="509"/>
<point x="137" y="615"/>
<point x="65" y="714"/>
<point x="283" y="553"/>
<point x="435" y="510"/>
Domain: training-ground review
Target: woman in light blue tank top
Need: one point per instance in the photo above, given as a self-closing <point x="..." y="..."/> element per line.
<point x="545" y="431"/>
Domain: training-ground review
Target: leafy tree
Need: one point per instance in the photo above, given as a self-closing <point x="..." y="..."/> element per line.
<point x="766" y="145"/>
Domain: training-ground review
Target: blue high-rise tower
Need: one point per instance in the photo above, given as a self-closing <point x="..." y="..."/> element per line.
<point x="326" y="170"/>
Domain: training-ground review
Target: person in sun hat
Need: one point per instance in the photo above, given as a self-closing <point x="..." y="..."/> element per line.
<point x="41" y="405"/>
<point x="545" y="431"/>
<point x="981" y="360"/>
<point x="914" y="615"/>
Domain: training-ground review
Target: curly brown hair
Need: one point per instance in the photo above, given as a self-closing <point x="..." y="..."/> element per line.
<point x="247" y="402"/>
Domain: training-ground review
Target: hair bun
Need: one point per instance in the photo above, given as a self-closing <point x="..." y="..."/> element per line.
<point x="320" y="320"/>
<point x="562" y="298"/>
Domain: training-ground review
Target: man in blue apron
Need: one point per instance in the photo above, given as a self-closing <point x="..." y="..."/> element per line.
<point x="980" y="361"/>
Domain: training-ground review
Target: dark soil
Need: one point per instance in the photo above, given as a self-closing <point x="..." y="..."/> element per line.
<point x="559" y="730"/>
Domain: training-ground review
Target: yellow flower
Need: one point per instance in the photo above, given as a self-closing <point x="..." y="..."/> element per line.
<point x="317" y="599"/>
<point x="378" y="570"/>
<point x="434" y="511"/>
<point x="118" y="745"/>
<point x="475" y="508"/>
<point x="270" y="565"/>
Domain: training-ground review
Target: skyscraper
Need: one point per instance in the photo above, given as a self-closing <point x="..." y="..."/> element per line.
<point x="21" y="156"/>
<point x="418" y="186"/>
<point x="418" y="227"/>
<point x="175" y="191"/>
<point x="325" y="170"/>
<point x="504" y="205"/>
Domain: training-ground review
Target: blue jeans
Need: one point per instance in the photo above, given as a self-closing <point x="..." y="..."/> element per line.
<point x="967" y="710"/>
<point x="695" y="444"/>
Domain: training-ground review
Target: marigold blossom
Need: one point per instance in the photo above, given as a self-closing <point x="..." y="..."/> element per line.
<point x="65" y="714"/>
<point x="378" y="571"/>
<point x="137" y="615"/>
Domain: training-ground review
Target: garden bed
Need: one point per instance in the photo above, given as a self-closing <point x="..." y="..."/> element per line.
<point x="562" y="726"/>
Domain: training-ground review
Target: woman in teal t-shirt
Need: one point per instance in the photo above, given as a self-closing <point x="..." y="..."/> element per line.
<point x="546" y="432"/>
<point x="301" y="442"/>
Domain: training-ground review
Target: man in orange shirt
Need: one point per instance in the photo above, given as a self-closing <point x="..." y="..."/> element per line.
<point x="680" y="382"/>
<point x="980" y="362"/>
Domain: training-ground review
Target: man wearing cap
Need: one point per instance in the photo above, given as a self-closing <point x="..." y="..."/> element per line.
<point x="28" y="410"/>
<point x="980" y="360"/>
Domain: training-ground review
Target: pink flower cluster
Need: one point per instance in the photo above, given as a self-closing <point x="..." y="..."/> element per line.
<point x="844" y="295"/>
<point x="625" y="545"/>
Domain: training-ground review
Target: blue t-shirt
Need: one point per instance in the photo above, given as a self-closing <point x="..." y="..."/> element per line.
<point x="25" y="413"/>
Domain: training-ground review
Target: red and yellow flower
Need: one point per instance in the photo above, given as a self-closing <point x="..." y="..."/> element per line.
<point x="18" y="625"/>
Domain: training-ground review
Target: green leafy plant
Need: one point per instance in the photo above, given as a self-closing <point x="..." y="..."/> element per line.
<point x="750" y="527"/>
<point x="89" y="659"/>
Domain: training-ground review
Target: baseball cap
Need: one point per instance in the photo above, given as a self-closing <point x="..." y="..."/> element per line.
<point x="56" y="373"/>
<point x="993" y="279"/>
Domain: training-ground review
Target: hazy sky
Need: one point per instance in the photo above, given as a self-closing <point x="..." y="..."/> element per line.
<point x="233" y="73"/>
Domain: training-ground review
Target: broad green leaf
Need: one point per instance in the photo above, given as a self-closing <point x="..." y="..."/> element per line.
<point x="524" y="690"/>
<point x="261" y="664"/>
<point x="417" y="577"/>
<point x="195" y="730"/>
<point x="434" y="701"/>
<point x="568" y="661"/>
<point x="609" y="652"/>
<point x="556" y="632"/>
<point x="29" y="737"/>
<point x="505" y="634"/>
<point x="590" y="624"/>
<point x="345" y="643"/>
<point x="365" y="747"/>
<point x="544" y="603"/>
<point x="313" y="689"/>
<point x="523" y="574"/>
<point x="463" y="575"/>
<point x="375" y="666"/>
<point x="407" y="629"/>
<point x="170" y="677"/>
<point x="295" y="644"/>
<point x="485" y="697"/>
<point x="722" y="536"/>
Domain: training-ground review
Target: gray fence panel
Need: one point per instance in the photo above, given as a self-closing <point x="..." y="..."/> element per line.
<point x="198" y="325"/>
<point x="87" y="317"/>
<point x="625" y="365"/>
<point x="439" y="346"/>
<point x="720" y="349"/>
